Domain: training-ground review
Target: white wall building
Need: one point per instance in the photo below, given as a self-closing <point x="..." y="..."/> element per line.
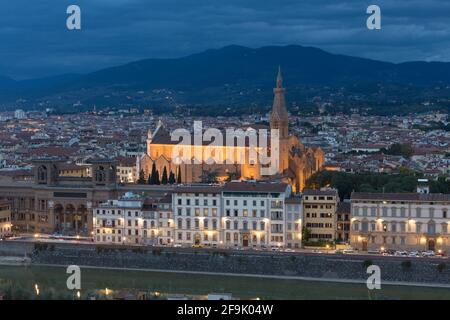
<point x="409" y="221"/>
<point x="238" y="214"/>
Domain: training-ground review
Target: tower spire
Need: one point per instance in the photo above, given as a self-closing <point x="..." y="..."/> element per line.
<point x="279" y="117"/>
<point x="279" y="78"/>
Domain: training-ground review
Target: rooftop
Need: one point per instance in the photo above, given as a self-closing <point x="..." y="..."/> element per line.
<point x="425" y="197"/>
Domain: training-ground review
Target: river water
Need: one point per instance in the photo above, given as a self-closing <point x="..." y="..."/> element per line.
<point x="50" y="283"/>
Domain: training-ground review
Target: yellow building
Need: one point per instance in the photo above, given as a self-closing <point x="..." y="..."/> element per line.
<point x="319" y="214"/>
<point x="294" y="164"/>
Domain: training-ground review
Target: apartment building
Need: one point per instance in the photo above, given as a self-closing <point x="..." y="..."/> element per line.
<point x="319" y="214"/>
<point x="294" y="218"/>
<point x="197" y="214"/>
<point x="119" y="221"/>
<point x="5" y="219"/>
<point x="127" y="170"/>
<point x="237" y="214"/>
<point x="254" y="214"/>
<point x="401" y="221"/>
<point x="343" y="216"/>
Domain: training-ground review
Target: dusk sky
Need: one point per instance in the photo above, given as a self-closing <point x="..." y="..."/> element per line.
<point x="35" y="41"/>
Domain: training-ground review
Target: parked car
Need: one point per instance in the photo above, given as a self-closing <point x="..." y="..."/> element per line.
<point x="414" y="254"/>
<point x="428" y="253"/>
<point x="348" y="251"/>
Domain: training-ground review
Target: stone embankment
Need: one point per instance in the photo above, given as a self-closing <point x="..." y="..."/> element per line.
<point x="349" y="267"/>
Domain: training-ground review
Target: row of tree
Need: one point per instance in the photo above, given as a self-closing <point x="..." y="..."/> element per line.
<point x="346" y="183"/>
<point x="153" y="177"/>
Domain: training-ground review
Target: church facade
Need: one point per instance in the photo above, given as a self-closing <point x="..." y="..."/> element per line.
<point x="294" y="163"/>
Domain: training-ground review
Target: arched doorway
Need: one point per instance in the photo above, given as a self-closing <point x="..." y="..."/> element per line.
<point x="245" y="240"/>
<point x="58" y="211"/>
<point x="431" y="245"/>
<point x="364" y="245"/>
<point x="197" y="239"/>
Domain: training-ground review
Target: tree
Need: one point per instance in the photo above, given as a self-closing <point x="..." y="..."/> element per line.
<point x="141" y="179"/>
<point x="157" y="181"/>
<point x="179" y="175"/>
<point x="306" y="234"/>
<point x="149" y="179"/>
<point x="164" y="176"/>
<point x="152" y="177"/>
<point x="171" y="177"/>
<point x="209" y="176"/>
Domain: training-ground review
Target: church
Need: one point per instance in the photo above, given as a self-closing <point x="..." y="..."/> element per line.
<point x="295" y="162"/>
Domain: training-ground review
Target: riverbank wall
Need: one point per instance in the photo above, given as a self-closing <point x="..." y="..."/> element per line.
<point x="351" y="267"/>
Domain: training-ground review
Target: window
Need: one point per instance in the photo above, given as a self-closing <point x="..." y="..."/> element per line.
<point x="418" y="212"/>
<point x="431" y="228"/>
<point x="402" y="212"/>
<point x="394" y="212"/>
<point x="393" y="227"/>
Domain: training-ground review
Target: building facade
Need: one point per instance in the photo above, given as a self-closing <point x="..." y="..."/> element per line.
<point x="343" y="217"/>
<point x="295" y="162"/>
<point x="406" y="221"/>
<point x="237" y="214"/>
<point x="319" y="214"/>
<point x="52" y="203"/>
<point x="5" y="219"/>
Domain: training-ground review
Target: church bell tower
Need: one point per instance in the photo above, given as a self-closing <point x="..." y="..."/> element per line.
<point x="279" y="119"/>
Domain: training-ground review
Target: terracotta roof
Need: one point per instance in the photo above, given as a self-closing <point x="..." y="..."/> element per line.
<point x="198" y="189"/>
<point x="430" y="197"/>
<point x="254" y="187"/>
<point x="310" y="192"/>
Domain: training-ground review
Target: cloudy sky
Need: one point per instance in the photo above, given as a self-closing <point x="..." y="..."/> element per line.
<point x="34" y="40"/>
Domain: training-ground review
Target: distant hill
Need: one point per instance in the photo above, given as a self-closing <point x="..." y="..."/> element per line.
<point x="221" y="75"/>
<point x="302" y="66"/>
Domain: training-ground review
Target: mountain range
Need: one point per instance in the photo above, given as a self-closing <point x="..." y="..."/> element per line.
<point x="220" y="76"/>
